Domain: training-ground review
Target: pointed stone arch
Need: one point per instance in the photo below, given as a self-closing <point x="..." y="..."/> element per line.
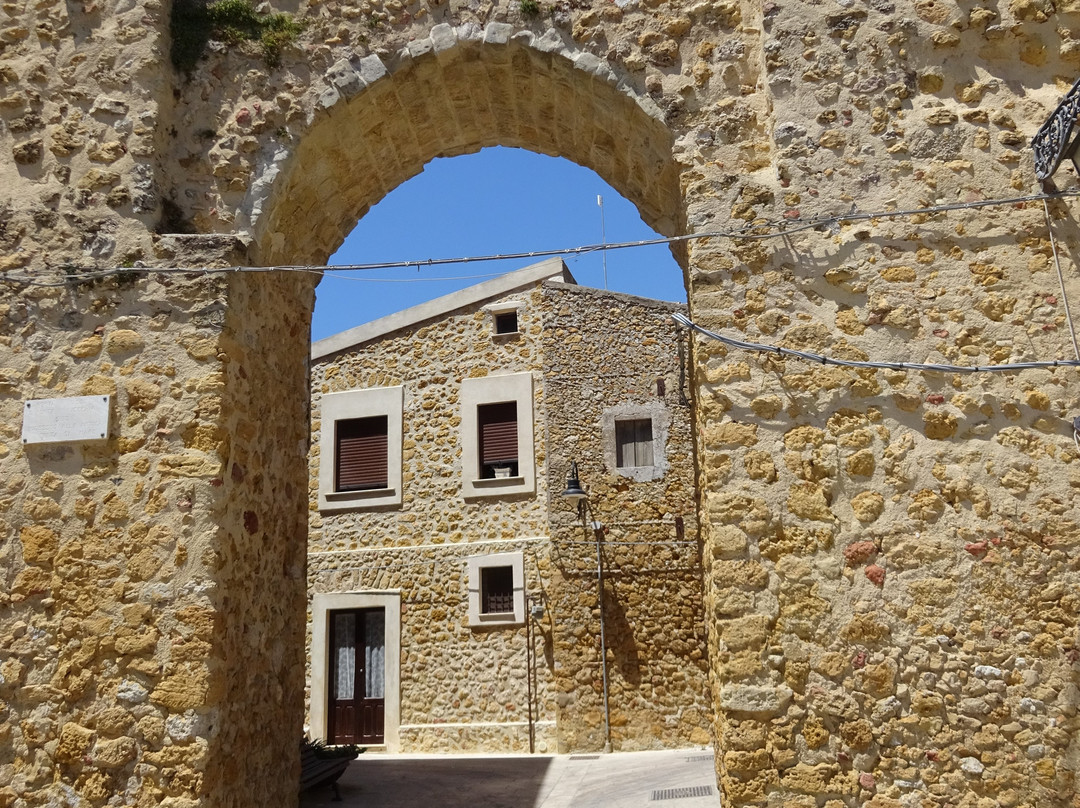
<point x="462" y="89"/>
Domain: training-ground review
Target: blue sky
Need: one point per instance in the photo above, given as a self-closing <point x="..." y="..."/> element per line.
<point x="494" y="202"/>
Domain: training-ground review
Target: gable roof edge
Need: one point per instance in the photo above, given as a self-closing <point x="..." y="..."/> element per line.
<point x="551" y="269"/>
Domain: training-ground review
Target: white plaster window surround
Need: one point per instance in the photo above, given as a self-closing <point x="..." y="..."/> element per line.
<point x="489" y="390"/>
<point x="496" y="565"/>
<point x="499" y="312"/>
<point x="378" y="402"/>
<point x="322" y="606"/>
<point x="659" y="416"/>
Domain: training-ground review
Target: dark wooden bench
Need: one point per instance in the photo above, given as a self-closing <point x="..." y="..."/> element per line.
<point x="322" y="765"/>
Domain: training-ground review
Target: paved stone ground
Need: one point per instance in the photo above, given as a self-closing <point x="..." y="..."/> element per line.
<point x="669" y="779"/>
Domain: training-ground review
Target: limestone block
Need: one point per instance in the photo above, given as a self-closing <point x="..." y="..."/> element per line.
<point x="809" y="779"/>
<point x="865" y="628"/>
<point x="760" y="466"/>
<point x="39" y="544"/>
<point x="733" y="434"/>
<point x="758" y="700"/>
<point x="808" y="501"/>
<point x="729" y="601"/>
<point x="182" y="690"/>
<point x="142" y="394"/>
<point x="751" y="631"/>
<point x="85" y="348"/>
<point x="728" y="541"/>
<point x="74" y="742"/>
<point x="112" y="754"/>
<point x="867" y="506"/>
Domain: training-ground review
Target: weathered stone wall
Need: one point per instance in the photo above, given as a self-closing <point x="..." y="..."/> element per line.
<point x="892" y="582"/>
<point x="450" y="672"/>
<point x="606" y="353"/>
<point x="705" y="115"/>
<point x="86" y="101"/>
<point x="137" y="617"/>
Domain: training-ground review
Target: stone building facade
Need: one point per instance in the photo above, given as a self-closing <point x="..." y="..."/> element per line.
<point x="890" y="554"/>
<point x="417" y="540"/>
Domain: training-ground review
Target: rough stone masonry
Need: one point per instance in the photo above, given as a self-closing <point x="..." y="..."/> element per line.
<point x="892" y="575"/>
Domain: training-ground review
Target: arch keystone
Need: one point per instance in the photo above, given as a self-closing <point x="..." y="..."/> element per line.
<point x="498" y="33"/>
<point x="443" y="37"/>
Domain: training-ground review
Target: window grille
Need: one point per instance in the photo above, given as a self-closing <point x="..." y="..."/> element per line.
<point x="496" y="590"/>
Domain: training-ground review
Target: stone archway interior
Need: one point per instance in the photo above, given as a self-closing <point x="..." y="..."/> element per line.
<point x="459" y="101"/>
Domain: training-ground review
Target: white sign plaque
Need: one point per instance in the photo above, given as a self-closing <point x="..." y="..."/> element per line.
<point x="66" y="420"/>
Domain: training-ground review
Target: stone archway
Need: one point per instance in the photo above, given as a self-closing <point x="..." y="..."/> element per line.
<point x="885" y="546"/>
<point x="455" y="93"/>
<point x="376" y="132"/>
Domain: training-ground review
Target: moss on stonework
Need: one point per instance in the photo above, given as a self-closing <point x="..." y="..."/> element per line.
<point x="196" y="22"/>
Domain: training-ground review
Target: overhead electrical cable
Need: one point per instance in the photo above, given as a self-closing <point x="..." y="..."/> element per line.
<point x="1061" y="277"/>
<point x="1065" y="304"/>
<point x="851" y="363"/>
<point x="756" y="230"/>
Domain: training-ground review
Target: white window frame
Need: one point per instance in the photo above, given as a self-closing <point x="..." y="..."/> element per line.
<point x="351" y="404"/>
<point x="516" y="387"/>
<point x="322" y="605"/>
<point x="475" y="565"/>
<point x="660" y="416"/>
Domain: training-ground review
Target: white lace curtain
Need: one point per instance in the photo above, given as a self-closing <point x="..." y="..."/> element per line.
<point x="345" y="670"/>
<point x="374" y="655"/>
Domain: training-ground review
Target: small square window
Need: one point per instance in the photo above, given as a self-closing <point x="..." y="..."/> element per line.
<point x="360" y="461"/>
<point x="497" y="590"/>
<point x="506" y="322"/>
<point x="633" y="443"/>
<point x="498" y="435"/>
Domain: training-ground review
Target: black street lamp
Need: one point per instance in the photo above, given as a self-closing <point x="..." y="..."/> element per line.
<point x="576" y="494"/>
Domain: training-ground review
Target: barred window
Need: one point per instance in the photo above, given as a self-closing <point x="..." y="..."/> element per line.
<point x="497" y="590"/>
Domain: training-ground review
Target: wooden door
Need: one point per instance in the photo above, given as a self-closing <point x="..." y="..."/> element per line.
<point x="358" y="675"/>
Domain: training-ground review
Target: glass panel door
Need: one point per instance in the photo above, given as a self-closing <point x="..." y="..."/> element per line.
<point x="358" y="672"/>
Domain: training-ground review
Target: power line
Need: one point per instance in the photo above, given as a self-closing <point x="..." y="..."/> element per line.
<point x="1061" y="277"/>
<point x="850" y="363"/>
<point x="756" y="230"/>
<point x="330" y="272"/>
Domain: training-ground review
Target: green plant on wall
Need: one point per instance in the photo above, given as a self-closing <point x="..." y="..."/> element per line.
<point x="196" y="22"/>
<point x="530" y="8"/>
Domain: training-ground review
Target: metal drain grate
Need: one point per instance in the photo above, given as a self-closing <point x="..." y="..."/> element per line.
<point x="682" y="793"/>
<point x="584" y="757"/>
<point x="699" y="758"/>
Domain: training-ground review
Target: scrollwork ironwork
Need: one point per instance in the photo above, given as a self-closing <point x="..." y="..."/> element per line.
<point x="1051" y="142"/>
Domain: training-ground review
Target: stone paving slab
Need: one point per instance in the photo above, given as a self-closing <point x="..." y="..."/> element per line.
<point x="667" y="779"/>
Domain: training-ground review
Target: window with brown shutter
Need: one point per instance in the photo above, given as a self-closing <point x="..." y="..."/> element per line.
<point x="633" y="443"/>
<point x="360" y="447"/>
<point x="497" y="428"/>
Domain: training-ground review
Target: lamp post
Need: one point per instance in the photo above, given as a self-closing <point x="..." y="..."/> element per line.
<point x="574" y="493"/>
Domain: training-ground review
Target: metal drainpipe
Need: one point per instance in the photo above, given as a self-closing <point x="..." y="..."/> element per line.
<point x="598" y="534"/>
<point x="529" y="671"/>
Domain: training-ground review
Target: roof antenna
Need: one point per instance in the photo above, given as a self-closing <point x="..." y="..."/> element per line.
<point x="603" y="236"/>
